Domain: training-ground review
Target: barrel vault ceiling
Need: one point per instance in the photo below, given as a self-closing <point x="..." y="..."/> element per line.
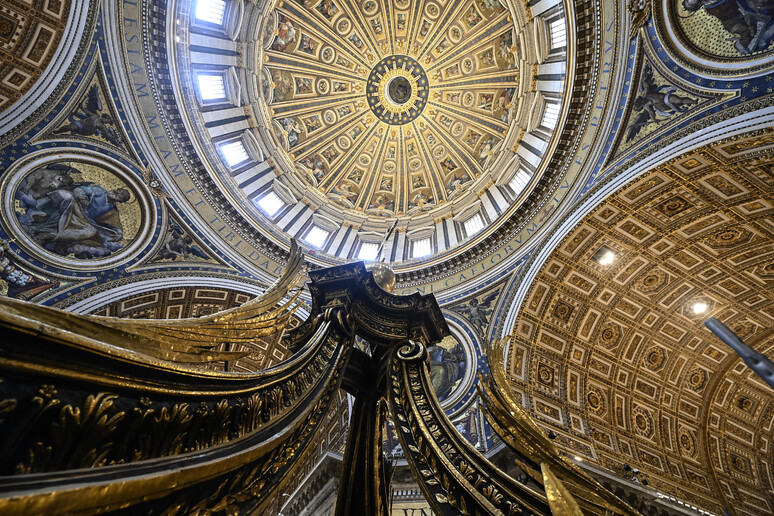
<point x="573" y="174"/>
<point x="613" y="355"/>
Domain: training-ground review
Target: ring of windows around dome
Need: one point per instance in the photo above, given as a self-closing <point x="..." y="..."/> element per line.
<point x="308" y="124"/>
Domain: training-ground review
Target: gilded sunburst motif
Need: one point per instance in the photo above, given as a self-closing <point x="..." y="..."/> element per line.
<point x="390" y="108"/>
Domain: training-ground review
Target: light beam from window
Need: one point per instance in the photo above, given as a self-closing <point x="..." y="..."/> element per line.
<point x="316" y="237"/>
<point x="211" y="87"/>
<point x="271" y="203"/>
<point x="474" y="224"/>
<point x="368" y="251"/>
<point x="550" y="115"/>
<point x="558" y="30"/>
<point x="421" y="248"/>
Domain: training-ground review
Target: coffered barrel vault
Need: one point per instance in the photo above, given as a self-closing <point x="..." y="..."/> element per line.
<point x="609" y="346"/>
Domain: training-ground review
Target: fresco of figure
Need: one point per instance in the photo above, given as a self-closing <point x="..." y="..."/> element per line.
<point x="656" y="103"/>
<point x="68" y="217"/>
<point x="286" y="35"/>
<point x="180" y="245"/>
<point x="89" y="120"/>
<point x="478" y="312"/>
<point x="292" y="129"/>
<point x="749" y="21"/>
<point x="283" y="85"/>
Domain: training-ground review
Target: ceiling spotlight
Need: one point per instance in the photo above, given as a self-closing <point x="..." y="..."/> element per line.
<point x="604" y="256"/>
<point x="699" y="307"/>
<point x="607" y="258"/>
<point x="578" y="459"/>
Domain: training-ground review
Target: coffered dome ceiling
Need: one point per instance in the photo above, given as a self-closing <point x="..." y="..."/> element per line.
<point x="406" y="115"/>
<point x="390" y="111"/>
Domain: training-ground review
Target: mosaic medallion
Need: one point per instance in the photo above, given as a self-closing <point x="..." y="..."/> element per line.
<point x="77" y="212"/>
<point x="727" y="29"/>
<point x="397" y="90"/>
<point x="448" y="367"/>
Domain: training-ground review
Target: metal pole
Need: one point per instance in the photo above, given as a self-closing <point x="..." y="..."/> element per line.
<point x="759" y="363"/>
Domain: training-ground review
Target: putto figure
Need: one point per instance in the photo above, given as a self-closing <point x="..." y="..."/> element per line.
<point x="89" y="120"/>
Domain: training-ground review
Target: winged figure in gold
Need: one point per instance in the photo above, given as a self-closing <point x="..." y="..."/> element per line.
<point x="179" y="340"/>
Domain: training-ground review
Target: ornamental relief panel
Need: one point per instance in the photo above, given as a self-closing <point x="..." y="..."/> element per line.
<point x="29" y="35"/>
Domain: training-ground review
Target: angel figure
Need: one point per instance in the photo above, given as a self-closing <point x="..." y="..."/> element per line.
<point x="180" y="245"/>
<point x="88" y="119"/>
<point x="655" y="101"/>
<point x="478" y="312"/>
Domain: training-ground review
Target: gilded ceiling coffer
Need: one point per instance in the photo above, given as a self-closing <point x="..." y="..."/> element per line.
<point x="107" y="415"/>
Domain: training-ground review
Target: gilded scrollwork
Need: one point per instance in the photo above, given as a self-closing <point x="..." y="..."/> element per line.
<point x="55" y="427"/>
<point x="375" y="313"/>
<point x="535" y="452"/>
<point x="251" y="487"/>
<point x="270" y="427"/>
<point x="454" y="477"/>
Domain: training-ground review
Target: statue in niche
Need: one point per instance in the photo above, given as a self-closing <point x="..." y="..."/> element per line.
<point x="72" y="217"/>
<point x="749" y="21"/>
<point x="89" y="120"/>
<point x="20" y="283"/>
<point x="656" y="103"/>
<point x="447" y="366"/>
